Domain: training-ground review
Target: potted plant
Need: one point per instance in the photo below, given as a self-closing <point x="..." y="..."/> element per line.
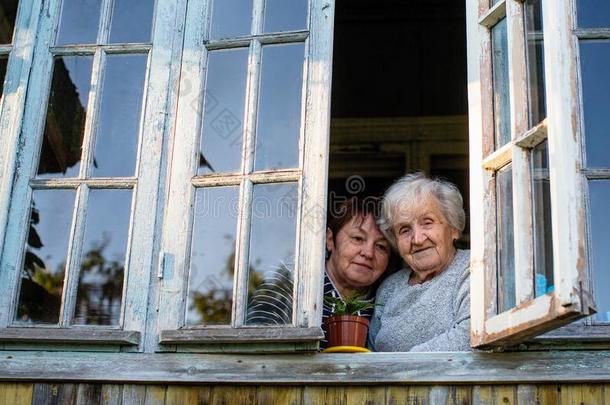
<point x="345" y="327"/>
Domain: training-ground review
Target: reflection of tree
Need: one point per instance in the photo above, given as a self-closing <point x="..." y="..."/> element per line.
<point x="214" y="304"/>
<point x="40" y="295"/>
<point x="100" y="287"/>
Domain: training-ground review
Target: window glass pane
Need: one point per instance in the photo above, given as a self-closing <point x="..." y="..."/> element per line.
<point x="8" y="13"/>
<point x="231" y="18"/>
<point x="543" y="241"/>
<point x="79" y="22"/>
<point x="535" y="61"/>
<point x="593" y="13"/>
<point x="595" y="60"/>
<point x="225" y="95"/>
<point x="124" y="14"/>
<point x="506" y="245"/>
<point x="46" y="250"/>
<point x="210" y="292"/>
<point x="272" y="241"/>
<point x="279" y="114"/>
<point x="119" y="119"/>
<point x="66" y="113"/>
<point x="3" y="63"/>
<point x="282" y="15"/>
<point x="100" y="285"/>
<point x="599" y="197"/>
<point x="499" y="45"/>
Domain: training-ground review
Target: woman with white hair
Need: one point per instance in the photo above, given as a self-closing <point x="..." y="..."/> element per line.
<point x="426" y="305"/>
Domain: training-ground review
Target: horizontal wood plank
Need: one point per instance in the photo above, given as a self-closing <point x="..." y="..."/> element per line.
<point x="241" y="335"/>
<point x="344" y="369"/>
<point x="69" y="335"/>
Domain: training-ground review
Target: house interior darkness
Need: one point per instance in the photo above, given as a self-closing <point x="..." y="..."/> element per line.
<point x="399" y="95"/>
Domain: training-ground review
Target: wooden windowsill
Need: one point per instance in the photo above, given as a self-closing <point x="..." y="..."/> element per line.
<point x="241" y="335"/>
<point x="69" y="336"/>
<point x="365" y="368"/>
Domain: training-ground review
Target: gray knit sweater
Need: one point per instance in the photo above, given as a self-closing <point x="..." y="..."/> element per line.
<point x="430" y="317"/>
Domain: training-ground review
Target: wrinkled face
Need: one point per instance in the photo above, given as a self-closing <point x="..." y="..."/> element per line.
<point x="359" y="253"/>
<point x="424" y="239"/>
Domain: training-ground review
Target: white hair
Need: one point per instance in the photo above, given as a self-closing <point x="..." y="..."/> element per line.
<point x="410" y="191"/>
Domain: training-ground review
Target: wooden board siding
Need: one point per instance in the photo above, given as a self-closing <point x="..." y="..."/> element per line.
<point x="91" y="394"/>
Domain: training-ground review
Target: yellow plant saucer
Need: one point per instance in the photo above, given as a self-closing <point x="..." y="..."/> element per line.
<point x="345" y="349"/>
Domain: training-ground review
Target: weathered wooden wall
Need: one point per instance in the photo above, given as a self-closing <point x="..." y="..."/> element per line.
<point x="115" y="394"/>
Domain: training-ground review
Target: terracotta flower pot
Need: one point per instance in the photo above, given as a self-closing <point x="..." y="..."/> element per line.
<point x="347" y="330"/>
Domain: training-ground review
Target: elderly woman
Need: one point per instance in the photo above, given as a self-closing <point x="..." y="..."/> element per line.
<point x="426" y="305"/>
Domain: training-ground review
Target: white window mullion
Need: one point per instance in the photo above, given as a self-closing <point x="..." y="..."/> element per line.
<point x="93" y="109"/>
<point x="177" y="223"/>
<point x="522" y="190"/>
<point x="152" y="154"/>
<point x="23" y="154"/>
<point x="12" y="105"/>
<point x="242" y="254"/>
<point x="312" y="219"/>
<point x="73" y="262"/>
<point x="564" y="137"/>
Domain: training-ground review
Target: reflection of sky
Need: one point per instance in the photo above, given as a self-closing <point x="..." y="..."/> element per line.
<point x="108" y="221"/>
<point x="124" y="14"/>
<point x="55" y="212"/>
<point x="79" y="22"/>
<point x="285" y="15"/>
<point x="599" y="196"/>
<point x="500" y="82"/>
<point x="593" y="13"/>
<point x="224" y="110"/>
<point x="213" y="242"/>
<point x="279" y="114"/>
<point x="119" y="119"/>
<point x="231" y="18"/>
<point x="506" y="247"/>
<point x="595" y="62"/>
<point x="273" y="229"/>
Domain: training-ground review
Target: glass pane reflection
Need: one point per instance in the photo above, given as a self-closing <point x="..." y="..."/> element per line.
<point x="595" y="59"/>
<point x="599" y="197"/>
<point x="8" y="13"/>
<point x="231" y="18"/>
<point x="282" y="15"/>
<point x="535" y="61"/>
<point x="3" y="63"/>
<point x="272" y="241"/>
<point x="225" y="98"/>
<point x="119" y="119"/>
<point x="46" y="250"/>
<point x="210" y="292"/>
<point x="66" y="113"/>
<point x="124" y="14"/>
<point x="593" y="13"/>
<point x="100" y="285"/>
<point x="505" y="244"/>
<point x="543" y="238"/>
<point x="279" y="111"/>
<point x="499" y="46"/>
<point x="79" y="22"/>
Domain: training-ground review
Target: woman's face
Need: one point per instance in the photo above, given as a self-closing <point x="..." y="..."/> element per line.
<point x="425" y="239"/>
<point x="359" y="253"/>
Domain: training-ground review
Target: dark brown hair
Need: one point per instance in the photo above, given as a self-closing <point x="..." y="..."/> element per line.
<point x="345" y="211"/>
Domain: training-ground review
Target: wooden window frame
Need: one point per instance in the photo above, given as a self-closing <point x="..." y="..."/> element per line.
<point x="571" y="298"/>
<point x="310" y="178"/>
<point x="37" y="24"/>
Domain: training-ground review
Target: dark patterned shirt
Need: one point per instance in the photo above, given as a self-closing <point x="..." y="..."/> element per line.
<point x="330" y="290"/>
